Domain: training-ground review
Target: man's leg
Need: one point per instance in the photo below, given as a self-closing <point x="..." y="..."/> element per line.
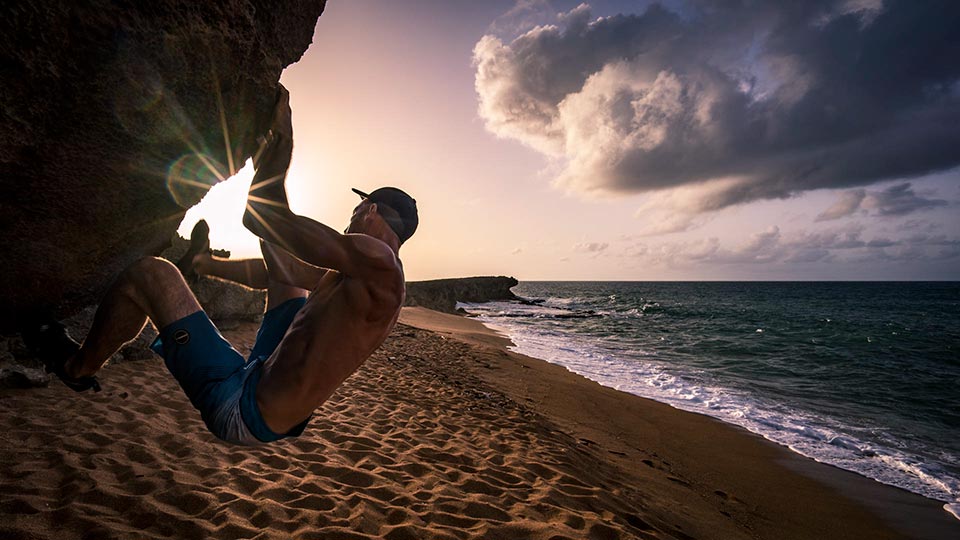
<point x="208" y="369"/>
<point x="150" y="288"/>
<point x="249" y="272"/>
<point x="277" y="267"/>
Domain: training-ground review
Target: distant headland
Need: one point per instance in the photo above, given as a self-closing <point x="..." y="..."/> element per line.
<point x="443" y="294"/>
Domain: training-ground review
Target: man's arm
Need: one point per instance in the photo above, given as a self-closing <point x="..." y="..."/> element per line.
<point x="318" y="244"/>
<point x="268" y="213"/>
<point x="284" y="268"/>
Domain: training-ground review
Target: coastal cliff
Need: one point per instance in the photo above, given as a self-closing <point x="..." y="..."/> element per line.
<point x="443" y="294"/>
<point x="114" y="118"/>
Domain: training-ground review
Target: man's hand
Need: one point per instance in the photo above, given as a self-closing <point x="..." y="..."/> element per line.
<point x="282" y="121"/>
<point x="280" y="133"/>
<point x="267" y="198"/>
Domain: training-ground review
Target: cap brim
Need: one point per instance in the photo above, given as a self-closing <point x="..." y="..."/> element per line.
<point x="360" y="193"/>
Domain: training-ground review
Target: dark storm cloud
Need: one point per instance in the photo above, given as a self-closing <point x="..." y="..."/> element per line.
<point x="766" y="99"/>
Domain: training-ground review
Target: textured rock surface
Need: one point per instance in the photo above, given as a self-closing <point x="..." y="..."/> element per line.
<point x="101" y="103"/>
<point x="227" y="302"/>
<point x="443" y="294"/>
<point x="14" y="374"/>
<point x="17" y="368"/>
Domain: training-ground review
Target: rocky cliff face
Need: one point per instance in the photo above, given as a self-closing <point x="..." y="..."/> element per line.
<point x="114" y="117"/>
<point x="443" y="294"/>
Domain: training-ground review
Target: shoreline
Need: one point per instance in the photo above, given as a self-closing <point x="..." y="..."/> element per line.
<point x="905" y="513"/>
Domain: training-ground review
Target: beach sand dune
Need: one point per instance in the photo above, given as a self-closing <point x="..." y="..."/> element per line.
<point x="421" y="442"/>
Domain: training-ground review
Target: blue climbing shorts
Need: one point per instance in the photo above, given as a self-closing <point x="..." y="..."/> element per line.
<point x="217" y="379"/>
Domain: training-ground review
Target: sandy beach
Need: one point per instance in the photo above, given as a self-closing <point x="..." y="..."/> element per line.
<point x="443" y="433"/>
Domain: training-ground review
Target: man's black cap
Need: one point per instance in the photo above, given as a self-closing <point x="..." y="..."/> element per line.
<point x="405" y="220"/>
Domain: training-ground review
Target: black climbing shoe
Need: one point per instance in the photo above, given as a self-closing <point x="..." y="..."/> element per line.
<point x="199" y="243"/>
<point x="54" y="346"/>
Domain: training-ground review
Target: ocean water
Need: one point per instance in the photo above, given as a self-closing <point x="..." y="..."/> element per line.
<point x="863" y="376"/>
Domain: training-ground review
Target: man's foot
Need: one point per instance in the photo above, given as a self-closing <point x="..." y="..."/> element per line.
<point x="199" y="243"/>
<point x="201" y="263"/>
<point x="265" y="140"/>
<point x="54" y="347"/>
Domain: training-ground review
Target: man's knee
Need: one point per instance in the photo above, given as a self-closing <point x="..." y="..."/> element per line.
<point x="153" y="269"/>
<point x="149" y="275"/>
<point x="158" y="287"/>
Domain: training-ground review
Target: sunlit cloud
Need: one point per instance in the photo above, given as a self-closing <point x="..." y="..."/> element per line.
<point x="848" y="203"/>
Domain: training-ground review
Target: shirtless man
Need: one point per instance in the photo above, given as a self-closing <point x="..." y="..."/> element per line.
<point x="306" y="347"/>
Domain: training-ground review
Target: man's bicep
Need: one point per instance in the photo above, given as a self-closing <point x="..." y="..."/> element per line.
<point x="308" y="240"/>
<point x="355" y="255"/>
<point x="320" y="245"/>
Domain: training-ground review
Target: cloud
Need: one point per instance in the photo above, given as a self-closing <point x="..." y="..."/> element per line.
<point x="754" y="101"/>
<point x="809" y="256"/>
<point x="524" y="15"/>
<point x="898" y="200"/>
<point x="681" y="209"/>
<point x="918" y="225"/>
<point x="847" y="204"/>
<point x="591" y="247"/>
<point x="769" y="246"/>
<point x="658" y="222"/>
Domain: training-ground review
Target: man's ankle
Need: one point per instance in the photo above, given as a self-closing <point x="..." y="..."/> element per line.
<point x="200" y="263"/>
<point x="74" y="369"/>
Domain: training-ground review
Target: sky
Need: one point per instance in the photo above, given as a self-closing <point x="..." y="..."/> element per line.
<point x="632" y="140"/>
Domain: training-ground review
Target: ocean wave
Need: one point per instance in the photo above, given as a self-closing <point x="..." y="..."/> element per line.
<point x="530" y="310"/>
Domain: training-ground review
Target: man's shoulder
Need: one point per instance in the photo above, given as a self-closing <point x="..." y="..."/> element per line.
<point x="374" y="253"/>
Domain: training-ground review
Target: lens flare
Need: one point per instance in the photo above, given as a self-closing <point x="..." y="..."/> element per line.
<point x="191" y="176"/>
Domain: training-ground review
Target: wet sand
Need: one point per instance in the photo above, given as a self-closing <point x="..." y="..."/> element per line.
<point x="443" y="433"/>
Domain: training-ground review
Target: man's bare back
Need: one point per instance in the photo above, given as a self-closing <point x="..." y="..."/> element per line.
<point x="345" y="320"/>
